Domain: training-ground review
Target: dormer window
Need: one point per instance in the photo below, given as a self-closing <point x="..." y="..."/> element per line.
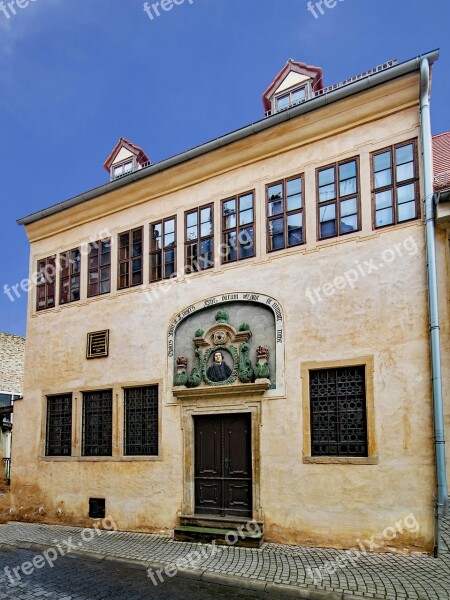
<point x="122" y="170"/>
<point x="125" y="159"/>
<point x="292" y="98"/>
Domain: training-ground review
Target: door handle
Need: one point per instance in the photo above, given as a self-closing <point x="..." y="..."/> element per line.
<point x="227" y="463"/>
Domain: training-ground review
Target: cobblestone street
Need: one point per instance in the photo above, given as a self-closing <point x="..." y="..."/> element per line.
<point x="386" y="575"/>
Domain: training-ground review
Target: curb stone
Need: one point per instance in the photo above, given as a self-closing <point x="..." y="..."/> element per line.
<point x="233" y="581"/>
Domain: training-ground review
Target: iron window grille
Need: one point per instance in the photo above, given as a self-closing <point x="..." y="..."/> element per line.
<point x="59" y="425"/>
<point x="238" y="228"/>
<point x="395" y="185"/>
<point x="163" y="249"/>
<point x="46" y="283"/>
<point x="338" y="412"/>
<point x="99" y="268"/>
<point x="97" y="423"/>
<point x="130" y="258"/>
<point x="70" y="276"/>
<point x="285" y="214"/>
<point x="338" y="199"/>
<point x="141" y="421"/>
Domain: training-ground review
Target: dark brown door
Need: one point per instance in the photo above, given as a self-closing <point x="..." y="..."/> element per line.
<point x="223" y="465"/>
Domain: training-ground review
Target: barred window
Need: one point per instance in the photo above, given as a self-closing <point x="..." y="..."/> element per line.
<point x="141" y="421"/>
<point x="338" y="199"/>
<point x="395" y="184"/>
<point x="46" y="283"/>
<point x="99" y="268"/>
<point x="163" y="249"/>
<point x="59" y="425"/>
<point x="97" y="423"/>
<point x="70" y="276"/>
<point x="130" y="258"/>
<point x="199" y="251"/>
<point x="238" y="229"/>
<point x="338" y="412"/>
<point x="285" y="214"/>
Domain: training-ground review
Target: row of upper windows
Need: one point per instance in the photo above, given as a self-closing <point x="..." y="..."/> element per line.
<point x="395" y="191"/>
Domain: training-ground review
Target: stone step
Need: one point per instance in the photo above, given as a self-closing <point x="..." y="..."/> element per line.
<point x="226" y="537"/>
<point x="216" y="522"/>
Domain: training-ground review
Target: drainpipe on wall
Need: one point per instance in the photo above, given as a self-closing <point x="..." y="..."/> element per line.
<point x="441" y="502"/>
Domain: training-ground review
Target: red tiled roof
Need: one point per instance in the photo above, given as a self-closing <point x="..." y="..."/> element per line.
<point x="123" y="143"/>
<point x="297" y="67"/>
<point x="441" y="160"/>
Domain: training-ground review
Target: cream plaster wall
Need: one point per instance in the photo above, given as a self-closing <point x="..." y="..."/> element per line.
<point x="383" y="316"/>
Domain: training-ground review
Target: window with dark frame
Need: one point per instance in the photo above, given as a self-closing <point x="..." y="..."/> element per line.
<point x="70" y="263"/>
<point x="285" y="209"/>
<point x="99" y="268"/>
<point x="141" y="421"/>
<point x="131" y="258"/>
<point x="338" y="412"/>
<point x="46" y="283"/>
<point x="199" y="239"/>
<point x="395" y="184"/>
<point x="163" y="249"/>
<point x="338" y="199"/>
<point x="97" y="423"/>
<point x="238" y="228"/>
<point x="59" y="425"/>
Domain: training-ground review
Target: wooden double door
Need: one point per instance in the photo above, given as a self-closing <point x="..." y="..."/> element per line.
<point x="223" y="465"/>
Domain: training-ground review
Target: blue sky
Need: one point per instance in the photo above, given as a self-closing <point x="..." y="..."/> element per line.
<point x="77" y="75"/>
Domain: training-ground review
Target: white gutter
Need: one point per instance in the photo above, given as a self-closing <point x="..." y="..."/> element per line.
<point x="441" y="500"/>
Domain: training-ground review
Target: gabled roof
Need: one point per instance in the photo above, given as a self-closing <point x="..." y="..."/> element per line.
<point x="441" y="161"/>
<point x="292" y="66"/>
<point x="123" y="143"/>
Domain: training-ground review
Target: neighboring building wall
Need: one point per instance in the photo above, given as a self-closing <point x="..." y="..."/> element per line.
<point x="12" y="355"/>
<point x="383" y="317"/>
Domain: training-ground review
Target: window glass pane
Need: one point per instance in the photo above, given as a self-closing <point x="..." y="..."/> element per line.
<point x="246" y="217"/>
<point x="383" y="178"/>
<point x="246" y="202"/>
<point x="348" y="207"/>
<point x="328" y="221"/>
<point x="136" y="265"/>
<point x="93" y="277"/>
<point x="105" y="274"/>
<point x="383" y="199"/>
<point x="105" y="258"/>
<point x="191" y="219"/>
<point x="404" y="154"/>
<point x="406" y="193"/>
<point x="294" y="187"/>
<point x="229" y="214"/>
<point x="246" y="242"/>
<point x="326" y="177"/>
<point x="347" y="187"/>
<point x="230" y="241"/>
<point x="105" y="287"/>
<point x="294" y="203"/>
<point x="141" y="421"/>
<point x="295" y="233"/>
<point x="155" y="236"/>
<point x="349" y="224"/>
<point x="93" y="260"/>
<point x="298" y="95"/>
<point x="283" y="102"/>
<point x="276" y="234"/>
<point x="275" y="192"/>
<point x="405" y="172"/>
<point x="169" y="256"/>
<point x="169" y="269"/>
<point x="406" y="211"/>
<point x="169" y="240"/>
<point x="192" y="233"/>
<point x="206" y="215"/>
<point x="206" y="229"/>
<point x="327" y="193"/>
<point x="347" y="170"/>
<point x="382" y="161"/>
<point x="384" y="217"/>
<point x="169" y="226"/>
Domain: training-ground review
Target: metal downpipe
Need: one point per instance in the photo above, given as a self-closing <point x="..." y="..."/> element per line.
<point x="441" y="505"/>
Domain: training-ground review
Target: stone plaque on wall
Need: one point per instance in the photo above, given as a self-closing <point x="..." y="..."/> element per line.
<point x="97" y="344"/>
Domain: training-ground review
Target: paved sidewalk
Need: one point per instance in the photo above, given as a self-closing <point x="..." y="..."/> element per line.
<point x="274" y="568"/>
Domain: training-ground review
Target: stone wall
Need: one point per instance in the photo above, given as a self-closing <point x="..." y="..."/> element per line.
<point x="12" y="355"/>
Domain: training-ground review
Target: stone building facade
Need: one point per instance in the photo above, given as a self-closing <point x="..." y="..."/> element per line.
<point x="242" y="332"/>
